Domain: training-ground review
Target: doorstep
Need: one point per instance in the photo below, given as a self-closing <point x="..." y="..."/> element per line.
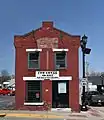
<point x="61" y="109"/>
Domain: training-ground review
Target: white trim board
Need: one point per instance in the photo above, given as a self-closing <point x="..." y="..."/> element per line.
<point x="60" y="78"/>
<point x="32" y="50"/>
<point x="40" y="103"/>
<point x="30" y="78"/>
<point x="63" y="78"/>
<point x="60" y="49"/>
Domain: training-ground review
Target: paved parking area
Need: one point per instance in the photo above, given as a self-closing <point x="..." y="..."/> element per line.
<point x="6" y="102"/>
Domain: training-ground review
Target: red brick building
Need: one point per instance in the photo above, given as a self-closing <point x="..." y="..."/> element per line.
<point x="46" y="69"/>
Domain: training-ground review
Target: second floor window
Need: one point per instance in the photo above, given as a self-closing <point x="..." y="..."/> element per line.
<point x="60" y="60"/>
<point x="33" y="60"/>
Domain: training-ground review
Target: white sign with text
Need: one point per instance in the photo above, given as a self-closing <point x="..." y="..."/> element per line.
<point x="47" y="74"/>
<point x="61" y="87"/>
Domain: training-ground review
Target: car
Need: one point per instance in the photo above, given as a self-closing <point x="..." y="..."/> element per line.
<point x="12" y="92"/>
<point x="0" y="91"/>
<point x="94" y="98"/>
<point x="5" y="91"/>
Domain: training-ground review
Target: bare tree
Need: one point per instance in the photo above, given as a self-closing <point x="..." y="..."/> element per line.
<point x="102" y="74"/>
<point x="93" y="73"/>
<point x="4" y="76"/>
<point x="13" y="76"/>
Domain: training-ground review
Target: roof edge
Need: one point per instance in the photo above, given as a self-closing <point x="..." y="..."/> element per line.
<point x="70" y="35"/>
<point x="28" y="33"/>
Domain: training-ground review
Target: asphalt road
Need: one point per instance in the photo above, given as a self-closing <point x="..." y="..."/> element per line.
<point x="6" y="101"/>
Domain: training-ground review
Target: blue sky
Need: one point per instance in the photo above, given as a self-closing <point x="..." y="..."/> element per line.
<point x="73" y="16"/>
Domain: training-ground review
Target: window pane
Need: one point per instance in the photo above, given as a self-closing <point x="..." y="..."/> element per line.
<point x="60" y="56"/>
<point x="60" y="60"/>
<point x="33" y="86"/>
<point x="33" y="64"/>
<point x="33" y="56"/>
<point x="32" y="97"/>
<point x="60" y="63"/>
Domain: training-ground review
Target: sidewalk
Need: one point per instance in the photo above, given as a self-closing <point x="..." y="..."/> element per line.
<point x="89" y="115"/>
<point x="43" y="114"/>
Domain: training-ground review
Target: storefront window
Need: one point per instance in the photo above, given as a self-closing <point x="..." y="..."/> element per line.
<point x="33" y="60"/>
<point x="60" y="60"/>
<point x="33" y="91"/>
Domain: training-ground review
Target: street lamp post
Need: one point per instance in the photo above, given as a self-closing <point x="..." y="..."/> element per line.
<point x="84" y="52"/>
<point x="102" y="84"/>
<point x="102" y="77"/>
<point x="83" y="65"/>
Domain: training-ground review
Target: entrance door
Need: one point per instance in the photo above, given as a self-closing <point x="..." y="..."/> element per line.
<point x="60" y="94"/>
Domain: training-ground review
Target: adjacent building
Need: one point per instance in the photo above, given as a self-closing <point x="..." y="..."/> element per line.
<point x="96" y="80"/>
<point x="47" y="69"/>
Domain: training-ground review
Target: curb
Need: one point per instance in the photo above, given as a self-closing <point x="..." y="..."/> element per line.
<point x="44" y="116"/>
<point x="31" y="115"/>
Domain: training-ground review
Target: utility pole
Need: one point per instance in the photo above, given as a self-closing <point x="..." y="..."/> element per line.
<point x="87" y="73"/>
<point x="87" y="69"/>
<point x="85" y="51"/>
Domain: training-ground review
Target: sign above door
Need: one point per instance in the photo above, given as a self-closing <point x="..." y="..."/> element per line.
<point x="47" y="74"/>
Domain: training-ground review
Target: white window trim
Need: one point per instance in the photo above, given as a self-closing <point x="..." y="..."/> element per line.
<point x="32" y="50"/>
<point x="60" y="50"/>
<point x="31" y="78"/>
<point x="60" y="78"/>
<point x="39" y="103"/>
<point x="63" y="78"/>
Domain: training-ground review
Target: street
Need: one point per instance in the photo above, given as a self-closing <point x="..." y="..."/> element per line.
<point x="6" y="101"/>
